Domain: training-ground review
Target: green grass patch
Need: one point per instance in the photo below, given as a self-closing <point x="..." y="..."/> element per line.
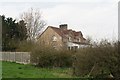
<point x="14" y="70"/>
<point x="0" y="69"/>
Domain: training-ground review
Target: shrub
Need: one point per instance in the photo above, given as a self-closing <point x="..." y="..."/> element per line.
<point x="25" y="46"/>
<point x="42" y="56"/>
<point x="63" y="58"/>
<point x="45" y="56"/>
<point x="102" y="59"/>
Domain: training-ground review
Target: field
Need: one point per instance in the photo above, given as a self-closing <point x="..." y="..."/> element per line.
<point x="14" y="70"/>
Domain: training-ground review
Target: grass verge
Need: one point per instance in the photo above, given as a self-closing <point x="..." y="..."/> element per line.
<point x="14" y="70"/>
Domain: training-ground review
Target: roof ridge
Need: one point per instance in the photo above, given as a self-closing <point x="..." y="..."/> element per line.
<point x="53" y="27"/>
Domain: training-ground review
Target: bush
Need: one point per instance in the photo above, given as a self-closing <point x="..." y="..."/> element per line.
<point x="63" y="58"/>
<point x="99" y="60"/>
<point x="45" y="56"/>
<point x="102" y="59"/>
<point x="25" y="46"/>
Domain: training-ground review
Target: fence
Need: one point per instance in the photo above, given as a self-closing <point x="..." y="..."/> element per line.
<point x="18" y="57"/>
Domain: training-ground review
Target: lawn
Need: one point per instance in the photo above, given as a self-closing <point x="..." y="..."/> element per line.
<point x="15" y="70"/>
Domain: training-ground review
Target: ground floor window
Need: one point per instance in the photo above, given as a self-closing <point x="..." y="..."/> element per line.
<point x="72" y="47"/>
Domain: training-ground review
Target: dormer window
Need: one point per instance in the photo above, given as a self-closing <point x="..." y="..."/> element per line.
<point x="54" y="38"/>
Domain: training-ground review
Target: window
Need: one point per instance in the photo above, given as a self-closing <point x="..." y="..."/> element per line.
<point x="79" y="40"/>
<point x="54" y="38"/>
<point x="69" y="38"/>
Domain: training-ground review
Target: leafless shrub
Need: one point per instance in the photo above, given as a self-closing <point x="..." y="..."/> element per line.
<point x="98" y="61"/>
<point x="45" y="56"/>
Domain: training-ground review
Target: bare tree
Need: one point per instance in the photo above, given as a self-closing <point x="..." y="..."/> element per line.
<point x="34" y="22"/>
<point x="88" y="39"/>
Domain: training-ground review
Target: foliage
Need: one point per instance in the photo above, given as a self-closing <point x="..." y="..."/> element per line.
<point x="22" y="30"/>
<point x="12" y="33"/>
<point x="25" y="46"/>
<point x="102" y="59"/>
<point x="45" y="56"/>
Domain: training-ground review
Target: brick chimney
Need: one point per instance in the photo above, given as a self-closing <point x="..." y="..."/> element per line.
<point x="63" y="26"/>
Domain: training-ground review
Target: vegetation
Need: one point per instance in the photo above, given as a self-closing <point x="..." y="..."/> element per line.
<point x="98" y="61"/>
<point x="34" y="22"/>
<point x="44" y="56"/>
<point x="25" y="46"/>
<point x="12" y="33"/>
<point x="14" y="70"/>
<point x="101" y="61"/>
<point x="27" y="29"/>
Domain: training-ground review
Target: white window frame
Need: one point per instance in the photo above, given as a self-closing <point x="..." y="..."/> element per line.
<point x="69" y="38"/>
<point x="54" y="38"/>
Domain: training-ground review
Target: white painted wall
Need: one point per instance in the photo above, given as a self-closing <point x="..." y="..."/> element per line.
<point x="70" y="44"/>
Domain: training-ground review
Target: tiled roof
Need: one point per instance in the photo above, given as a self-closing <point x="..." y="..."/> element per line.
<point x="57" y="30"/>
<point x="67" y="32"/>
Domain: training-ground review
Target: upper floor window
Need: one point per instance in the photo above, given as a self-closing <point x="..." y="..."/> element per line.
<point x="69" y="38"/>
<point x="79" y="40"/>
<point x="54" y="38"/>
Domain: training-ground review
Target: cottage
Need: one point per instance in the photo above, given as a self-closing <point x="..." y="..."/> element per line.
<point x="62" y="37"/>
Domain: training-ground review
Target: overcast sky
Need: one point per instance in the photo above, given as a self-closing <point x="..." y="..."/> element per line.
<point x="95" y="18"/>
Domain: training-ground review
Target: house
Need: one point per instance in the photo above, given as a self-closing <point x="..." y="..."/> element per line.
<point x="62" y="37"/>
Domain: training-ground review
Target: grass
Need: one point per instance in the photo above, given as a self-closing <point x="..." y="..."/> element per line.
<point x="14" y="70"/>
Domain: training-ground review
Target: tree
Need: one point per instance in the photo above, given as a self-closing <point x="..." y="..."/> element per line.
<point x="22" y="30"/>
<point x="12" y="33"/>
<point x="34" y="23"/>
<point x="89" y="40"/>
<point x="9" y="32"/>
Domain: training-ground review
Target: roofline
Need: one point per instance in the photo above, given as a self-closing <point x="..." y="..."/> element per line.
<point x="46" y="29"/>
<point x="42" y="32"/>
<point x="54" y="30"/>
